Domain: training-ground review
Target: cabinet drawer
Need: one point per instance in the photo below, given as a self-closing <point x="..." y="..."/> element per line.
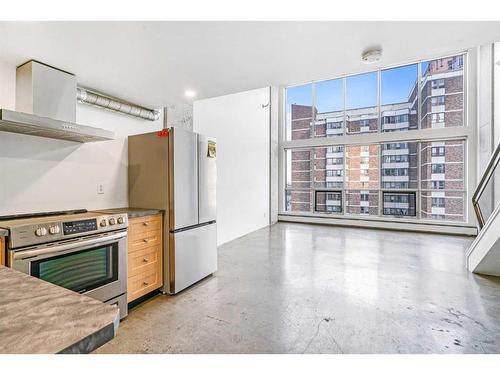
<point x="144" y="282"/>
<point x="140" y="260"/>
<point x="144" y="240"/>
<point x="141" y="225"/>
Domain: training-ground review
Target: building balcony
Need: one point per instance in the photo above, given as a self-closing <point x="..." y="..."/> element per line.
<point x="334" y="179"/>
<point x="398" y="125"/>
<point x="437" y="176"/>
<point x="438" y="159"/>
<point x="437" y="92"/>
<point x="437" y="108"/>
<point x="404" y="205"/>
<point x="438" y="210"/>
<point x="334" y="154"/>
<point x="400" y="151"/>
<point x="333" y="203"/>
<point x="338" y="131"/>
<point x="395" y="178"/>
<point x="334" y="166"/>
<point x="395" y="165"/>
<point x="438" y="125"/>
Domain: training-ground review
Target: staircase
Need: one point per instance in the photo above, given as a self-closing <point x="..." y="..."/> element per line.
<point x="483" y="255"/>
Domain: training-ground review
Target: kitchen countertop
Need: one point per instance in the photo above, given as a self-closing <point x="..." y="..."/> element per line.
<point x="39" y="317"/>
<point x="132" y="212"/>
<point x="4" y="232"/>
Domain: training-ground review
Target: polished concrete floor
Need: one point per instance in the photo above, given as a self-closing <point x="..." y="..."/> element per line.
<point x="298" y="288"/>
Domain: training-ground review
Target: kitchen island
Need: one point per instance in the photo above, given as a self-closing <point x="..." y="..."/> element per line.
<point x="39" y="317"/>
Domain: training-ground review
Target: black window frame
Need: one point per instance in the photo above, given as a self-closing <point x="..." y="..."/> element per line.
<point x="413" y="194"/>
<point x="326" y="192"/>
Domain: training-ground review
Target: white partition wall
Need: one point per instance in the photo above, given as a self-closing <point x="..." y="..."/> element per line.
<point x="240" y="122"/>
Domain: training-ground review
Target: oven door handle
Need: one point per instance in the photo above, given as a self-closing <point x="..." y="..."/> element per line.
<point x="101" y="240"/>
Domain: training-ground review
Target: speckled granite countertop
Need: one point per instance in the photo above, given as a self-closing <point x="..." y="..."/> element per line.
<point x="4" y="232"/>
<point x="39" y="317"/>
<point x="131" y="211"/>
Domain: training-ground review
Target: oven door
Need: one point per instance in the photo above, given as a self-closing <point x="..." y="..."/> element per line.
<point x="95" y="266"/>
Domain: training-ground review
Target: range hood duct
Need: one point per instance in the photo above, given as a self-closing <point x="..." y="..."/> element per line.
<point x="87" y="96"/>
<point x="46" y="106"/>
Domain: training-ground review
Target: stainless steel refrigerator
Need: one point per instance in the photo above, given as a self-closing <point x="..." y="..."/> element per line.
<point x="175" y="170"/>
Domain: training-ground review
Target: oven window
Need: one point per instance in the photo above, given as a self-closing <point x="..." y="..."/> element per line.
<point x="80" y="271"/>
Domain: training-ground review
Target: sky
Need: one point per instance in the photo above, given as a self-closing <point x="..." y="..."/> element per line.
<point x="361" y="90"/>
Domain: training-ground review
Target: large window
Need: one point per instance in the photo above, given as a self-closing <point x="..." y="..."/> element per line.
<point x="421" y="178"/>
<point x="405" y="176"/>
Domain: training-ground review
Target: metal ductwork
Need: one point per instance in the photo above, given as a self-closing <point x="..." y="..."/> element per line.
<point x="93" y="98"/>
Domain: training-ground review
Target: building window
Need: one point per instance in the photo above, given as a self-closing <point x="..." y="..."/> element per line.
<point x="438" y="84"/>
<point x="394" y="119"/>
<point x="399" y="203"/>
<point x="437" y="185"/>
<point x="328" y="201"/>
<point x="335" y="149"/>
<point x="396" y="159"/>
<point x="334" y="172"/>
<point x="437" y="100"/>
<point x="437" y="117"/>
<point x="438" y="202"/>
<point x="438" y="151"/>
<point x="334" y="125"/>
<point x="437" y="168"/>
<point x="387" y="100"/>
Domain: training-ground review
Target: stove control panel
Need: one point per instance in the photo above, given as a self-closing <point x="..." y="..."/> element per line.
<point x="26" y="234"/>
<point x="80" y="226"/>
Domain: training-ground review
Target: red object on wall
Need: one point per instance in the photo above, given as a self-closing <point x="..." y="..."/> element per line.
<point x="163" y="133"/>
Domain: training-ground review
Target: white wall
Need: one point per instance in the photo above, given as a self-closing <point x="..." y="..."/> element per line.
<point x="39" y="174"/>
<point x="241" y="127"/>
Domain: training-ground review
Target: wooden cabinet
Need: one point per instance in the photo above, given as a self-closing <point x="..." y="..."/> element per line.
<point x="145" y="256"/>
<point x="2" y="251"/>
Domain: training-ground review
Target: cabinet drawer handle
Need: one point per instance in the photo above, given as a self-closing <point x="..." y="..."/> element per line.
<point x="145" y="283"/>
<point x="146" y="240"/>
<point x="145" y="223"/>
<point x="145" y="260"/>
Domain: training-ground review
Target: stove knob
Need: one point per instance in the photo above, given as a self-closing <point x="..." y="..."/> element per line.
<point x="103" y="223"/>
<point x="41" y="232"/>
<point x="54" y="230"/>
<point x="112" y="221"/>
<point x="120" y="220"/>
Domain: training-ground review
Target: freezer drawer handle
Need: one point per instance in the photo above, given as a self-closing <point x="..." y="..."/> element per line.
<point x="145" y="260"/>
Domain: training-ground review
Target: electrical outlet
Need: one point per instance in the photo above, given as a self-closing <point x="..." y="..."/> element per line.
<point x="100" y="189"/>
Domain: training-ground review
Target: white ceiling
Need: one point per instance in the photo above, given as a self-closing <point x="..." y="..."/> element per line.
<point x="153" y="63"/>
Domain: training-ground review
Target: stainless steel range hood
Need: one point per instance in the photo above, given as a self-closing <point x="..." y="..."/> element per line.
<point x="46" y="106"/>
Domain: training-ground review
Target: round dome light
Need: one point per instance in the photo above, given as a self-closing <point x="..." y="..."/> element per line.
<point x="371" y="56"/>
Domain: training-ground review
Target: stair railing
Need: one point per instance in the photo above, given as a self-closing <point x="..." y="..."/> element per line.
<point x="486" y="179"/>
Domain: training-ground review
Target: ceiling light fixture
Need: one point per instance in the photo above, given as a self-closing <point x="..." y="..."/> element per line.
<point x="372" y="55"/>
<point x="190" y="93"/>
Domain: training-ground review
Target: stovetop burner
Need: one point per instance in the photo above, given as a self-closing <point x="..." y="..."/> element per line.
<point x="43" y="214"/>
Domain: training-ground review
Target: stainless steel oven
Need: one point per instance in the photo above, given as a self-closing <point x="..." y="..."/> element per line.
<point x="88" y="256"/>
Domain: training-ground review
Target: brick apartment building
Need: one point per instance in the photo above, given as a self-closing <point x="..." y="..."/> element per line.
<point x="383" y="179"/>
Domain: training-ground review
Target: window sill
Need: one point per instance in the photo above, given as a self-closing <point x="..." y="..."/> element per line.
<point x="382" y="223"/>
